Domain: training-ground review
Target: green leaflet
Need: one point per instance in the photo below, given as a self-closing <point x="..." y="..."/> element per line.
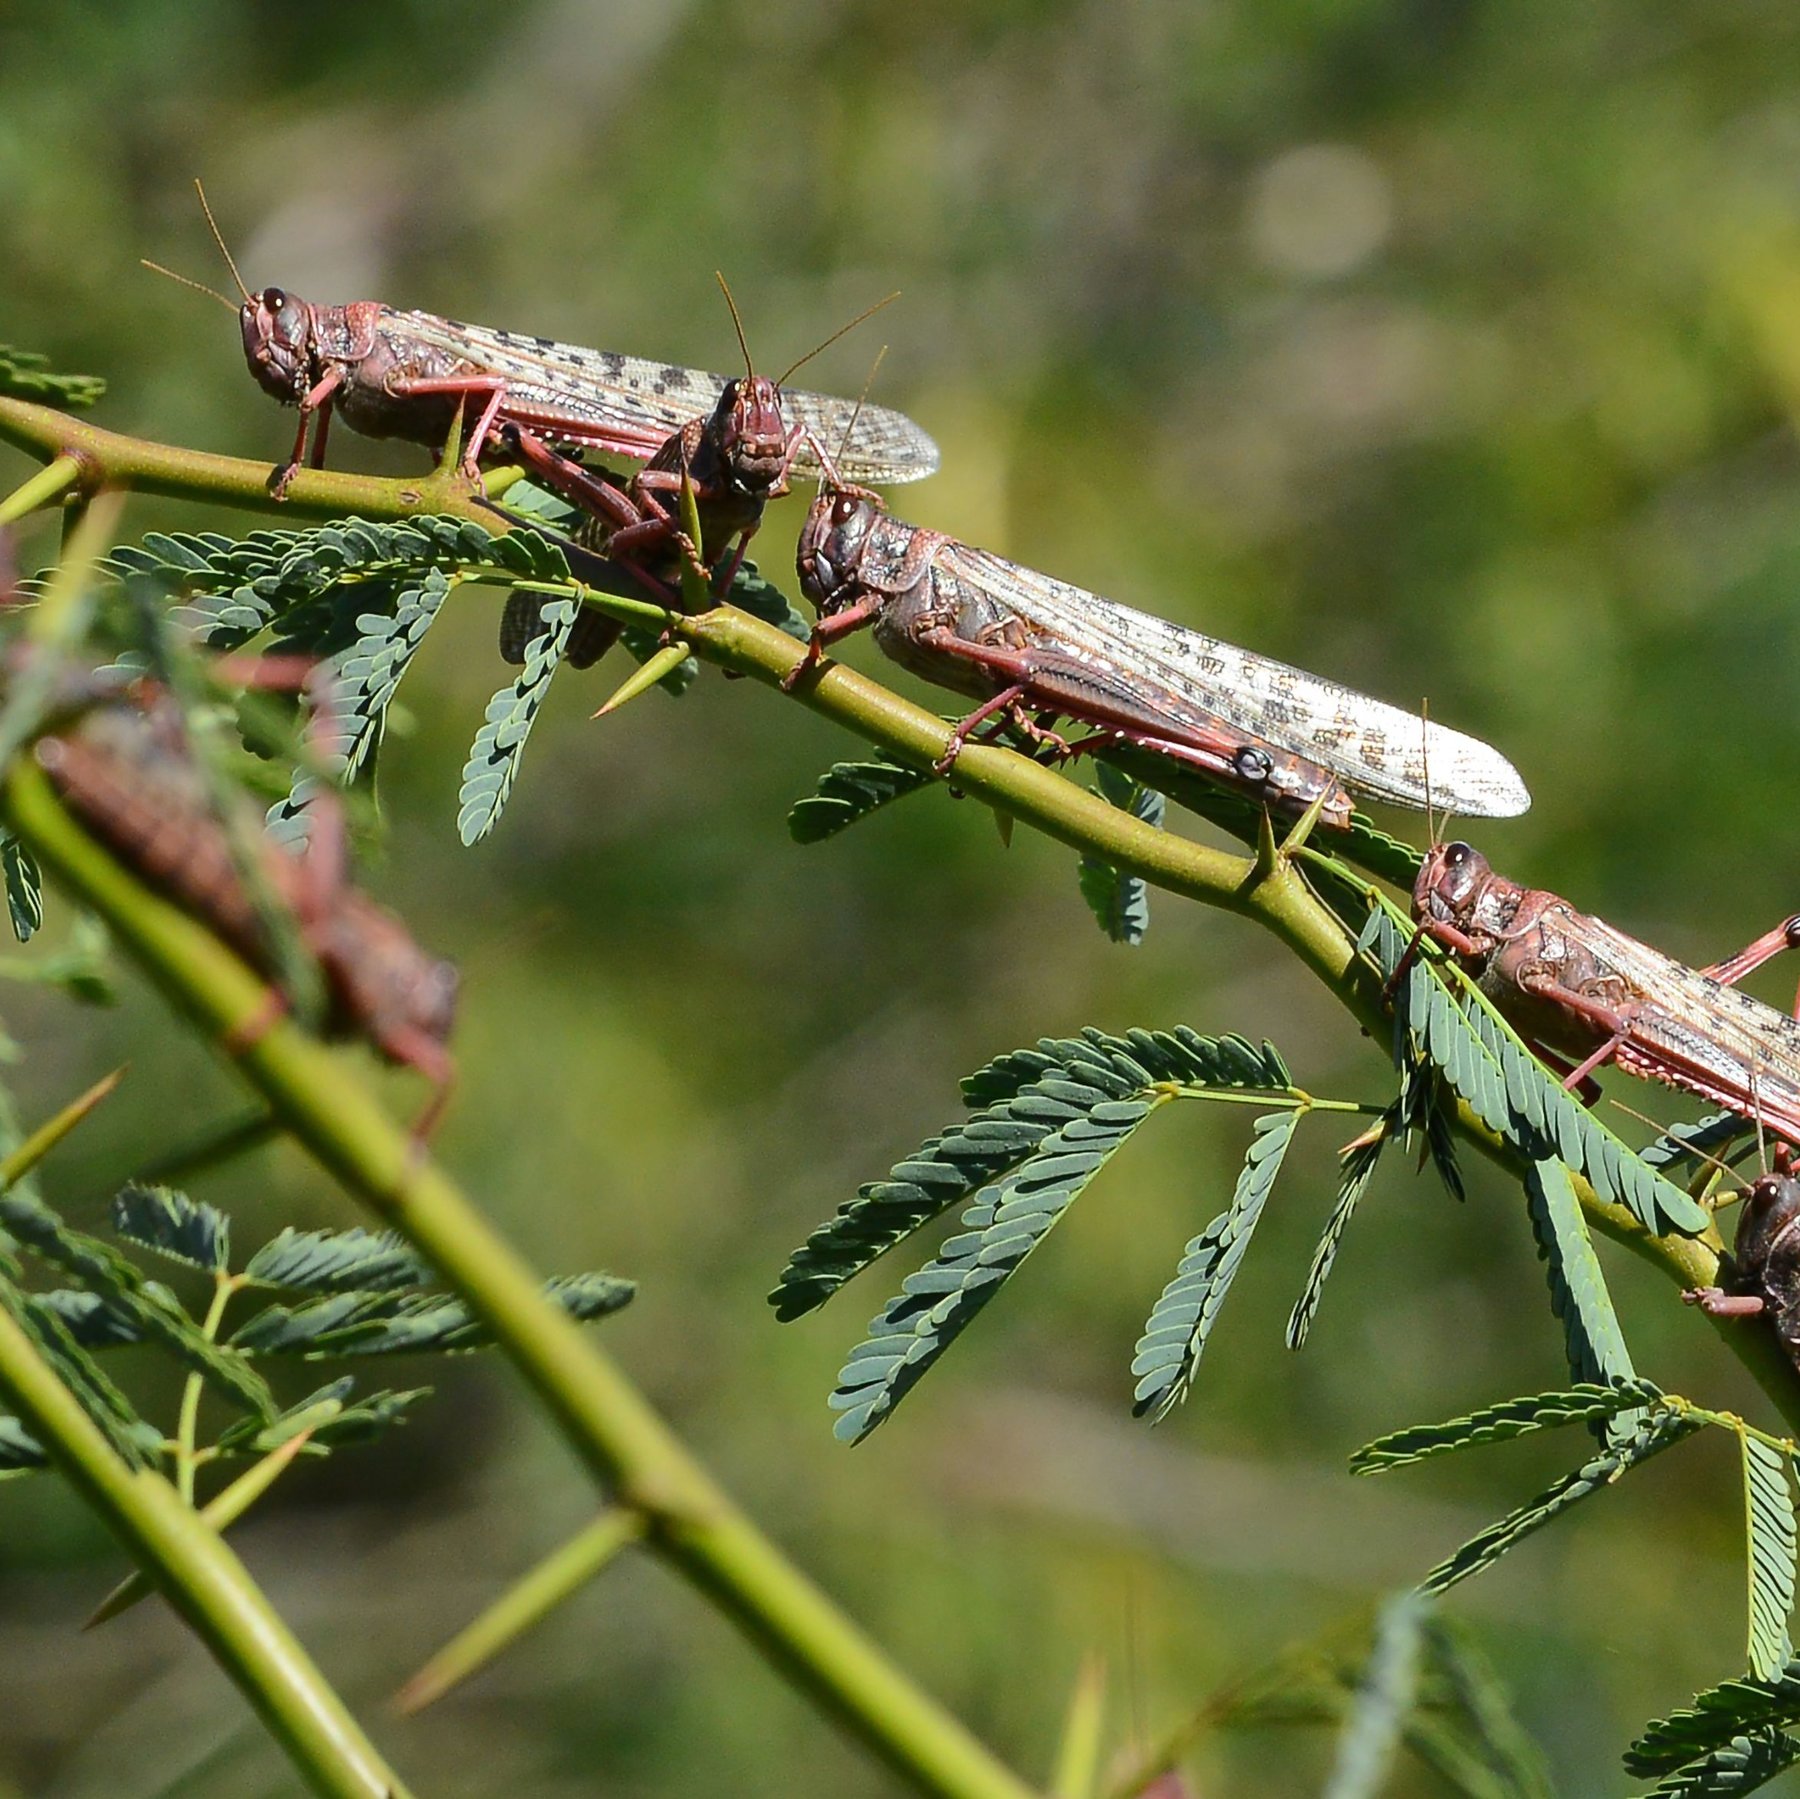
<point x="761" y="598"/>
<point x="1169" y="1351"/>
<point x="1733" y="1708"/>
<point x="237" y="587"/>
<point x="95" y="1322"/>
<point x="1384" y="1699"/>
<point x="366" y="677"/>
<point x="406" y="1321"/>
<point x="1359" y="1163"/>
<point x="20" y="1451"/>
<point x="330" y="1414"/>
<point x="1740" y="1766"/>
<point x="338" y="1261"/>
<point x="1119" y="902"/>
<point x="1686" y="1148"/>
<point x="1498" y="1423"/>
<point x="1022" y="1097"/>
<point x="24" y="375"/>
<point x="493" y="763"/>
<point x="847" y="793"/>
<point x="152" y="1313"/>
<point x="24" y="887"/>
<point x="1009" y="1219"/>
<point x="104" y="1404"/>
<point x="1491" y="1070"/>
<point x="1592" y="1337"/>
<point x="1658" y="1430"/>
<point x="173" y="1225"/>
<point x="1769" y="1541"/>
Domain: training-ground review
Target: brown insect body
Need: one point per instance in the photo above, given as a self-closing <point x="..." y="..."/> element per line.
<point x="859" y="565"/>
<point x="735" y="459"/>
<point x="393" y="373"/>
<point x="1765" y="1263"/>
<point x="1575" y="983"/>
<point x="126" y="775"/>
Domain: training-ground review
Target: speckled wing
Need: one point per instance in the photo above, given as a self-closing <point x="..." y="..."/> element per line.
<point x="1376" y="749"/>
<point x="1691" y="1031"/>
<point x="631" y="406"/>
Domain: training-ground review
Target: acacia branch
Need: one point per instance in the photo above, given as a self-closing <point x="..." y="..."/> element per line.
<point x="688" y="1518"/>
<point x="204" y="1581"/>
<point x="1269" y="891"/>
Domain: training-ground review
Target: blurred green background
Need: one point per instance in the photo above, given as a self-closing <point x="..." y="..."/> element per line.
<point x="1448" y="348"/>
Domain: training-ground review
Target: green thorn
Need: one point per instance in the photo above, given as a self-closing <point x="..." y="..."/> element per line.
<point x="46" y="1137"/>
<point x="1077" y="1767"/>
<point x="526" y="1603"/>
<point x="51" y="482"/>
<point x="221" y="1511"/>
<point x="696" y="587"/>
<point x="666" y="660"/>
<point x="1268" y="855"/>
<point x="451" y="460"/>
<point x="1295" y="840"/>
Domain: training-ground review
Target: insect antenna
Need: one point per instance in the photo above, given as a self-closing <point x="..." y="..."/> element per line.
<point x="219" y="239"/>
<point x="737" y="324"/>
<point x="1713" y="1162"/>
<point x="199" y="287"/>
<point x="827" y="459"/>
<point x="868" y="312"/>
<point x="1762" y="1141"/>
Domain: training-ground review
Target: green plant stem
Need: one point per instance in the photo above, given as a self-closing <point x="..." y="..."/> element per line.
<point x="50" y="483"/>
<point x="526" y="1603"/>
<point x="1276" y="898"/>
<point x="221" y="1511"/>
<point x="205" y="1582"/>
<point x="107" y="459"/>
<point x="187" y="1423"/>
<point x="688" y="1518"/>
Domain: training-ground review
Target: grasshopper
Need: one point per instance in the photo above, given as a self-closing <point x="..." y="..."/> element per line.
<point x="413" y="375"/>
<point x="1023" y="644"/>
<point x="735" y="460"/>
<point x="1577" y="986"/>
<point x="1764" y="1275"/>
<point x="124" y="770"/>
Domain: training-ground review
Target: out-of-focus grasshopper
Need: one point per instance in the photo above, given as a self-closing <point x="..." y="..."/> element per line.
<point x="392" y="373"/>
<point x="123" y="767"/>
<point x="1575" y="985"/>
<point x="1028" y="646"/>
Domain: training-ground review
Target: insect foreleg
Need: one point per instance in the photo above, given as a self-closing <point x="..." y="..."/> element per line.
<point x="828" y="630"/>
<point x="316" y="400"/>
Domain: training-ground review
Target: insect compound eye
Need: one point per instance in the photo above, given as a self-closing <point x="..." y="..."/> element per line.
<point x="274" y="299"/>
<point x="1252" y="764"/>
<point x="843" y="510"/>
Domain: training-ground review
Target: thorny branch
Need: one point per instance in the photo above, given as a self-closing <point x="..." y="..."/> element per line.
<point x="689" y="1519"/>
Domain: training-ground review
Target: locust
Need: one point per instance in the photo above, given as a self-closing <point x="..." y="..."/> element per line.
<point x="1030" y="647"/>
<point x="124" y="770"/>
<point x="734" y="460"/>
<point x="413" y="375"/>
<point x="1577" y="986"/>
<point x="1765" y="1261"/>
